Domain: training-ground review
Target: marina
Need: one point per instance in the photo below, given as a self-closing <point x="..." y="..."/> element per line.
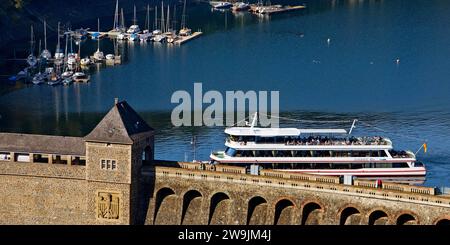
<point x="48" y="69"/>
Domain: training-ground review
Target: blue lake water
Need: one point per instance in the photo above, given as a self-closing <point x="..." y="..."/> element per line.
<point x="354" y="75"/>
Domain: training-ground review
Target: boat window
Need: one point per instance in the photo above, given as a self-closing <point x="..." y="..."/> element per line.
<point x="418" y="164"/>
<point x="400" y="165"/>
<point x="230" y="152"/>
<point x="383" y="165"/>
<point x="360" y="153"/>
<point x="5" y="156"/>
<point x="357" y="165"/>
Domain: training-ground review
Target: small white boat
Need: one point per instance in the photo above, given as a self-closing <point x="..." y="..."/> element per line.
<point x="241" y="6"/>
<point x="46" y="54"/>
<point x="59" y="54"/>
<point x="133" y="29"/>
<point x="80" y="77"/>
<point x="99" y="56"/>
<point x="159" y="38"/>
<point x="31" y="60"/>
<point x="71" y="62"/>
<point x="185" y="32"/>
<point x="172" y="38"/>
<point x="122" y="36"/>
<point x="39" y="78"/>
<point x="85" y="61"/>
<point x="222" y="5"/>
<point x="67" y="74"/>
<point x="110" y="57"/>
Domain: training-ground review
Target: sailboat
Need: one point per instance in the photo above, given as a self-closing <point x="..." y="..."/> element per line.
<point x="184" y="31"/>
<point x="170" y="34"/>
<point x="46" y="54"/>
<point x="31" y="59"/>
<point x="122" y="35"/>
<point x="161" y="37"/>
<point x="156" y="31"/>
<point x="116" y="27"/>
<point x="59" y="55"/>
<point x="71" y="57"/>
<point x="98" y="55"/>
<point x="134" y="29"/>
<point x="146" y="34"/>
<point x="67" y="72"/>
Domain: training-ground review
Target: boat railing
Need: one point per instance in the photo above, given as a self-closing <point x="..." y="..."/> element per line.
<point x="401" y="154"/>
<point x="317" y="141"/>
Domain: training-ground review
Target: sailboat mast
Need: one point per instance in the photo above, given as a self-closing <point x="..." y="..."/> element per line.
<point x="45" y="35"/>
<point x="98" y="27"/>
<point x="148" y="17"/>
<point x="116" y="16"/>
<point x="174" y="21"/>
<point x="134" y="17"/>
<point x="59" y="44"/>
<point x="71" y="44"/>
<point x="156" y="17"/>
<point x="122" y="21"/>
<point x="32" y="41"/>
<point x="162" y="17"/>
<point x="65" y="52"/>
<point x="183" y="17"/>
<point x="168" y="19"/>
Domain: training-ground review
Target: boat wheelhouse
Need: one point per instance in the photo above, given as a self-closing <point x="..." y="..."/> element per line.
<point x="333" y="152"/>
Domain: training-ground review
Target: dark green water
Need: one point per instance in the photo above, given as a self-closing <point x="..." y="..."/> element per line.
<point x="354" y="76"/>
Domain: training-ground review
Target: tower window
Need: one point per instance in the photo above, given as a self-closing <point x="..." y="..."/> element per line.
<point x="108" y="164"/>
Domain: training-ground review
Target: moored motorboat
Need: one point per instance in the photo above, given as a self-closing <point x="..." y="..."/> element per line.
<point x="222" y="5"/>
<point x="39" y="78"/>
<point x="80" y="77"/>
<point x="240" y="6"/>
<point x="85" y="61"/>
<point x="110" y="56"/>
<point x="66" y="74"/>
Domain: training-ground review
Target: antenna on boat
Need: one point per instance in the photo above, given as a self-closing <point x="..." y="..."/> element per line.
<point x="353" y="126"/>
<point x="255" y="120"/>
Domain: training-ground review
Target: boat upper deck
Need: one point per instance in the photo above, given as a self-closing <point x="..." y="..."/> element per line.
<point x="314" y="141"/>
<point x="301" y="137"/>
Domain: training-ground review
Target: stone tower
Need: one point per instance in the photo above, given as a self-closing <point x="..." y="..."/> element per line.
<point x="116" y="150"/>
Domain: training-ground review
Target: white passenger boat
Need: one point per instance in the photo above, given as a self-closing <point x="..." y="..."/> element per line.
<point x="331" y="152"/>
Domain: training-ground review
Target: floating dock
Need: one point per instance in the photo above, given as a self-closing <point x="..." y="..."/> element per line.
<point x="273" y="9"/>
<point x="182" y="39"/>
